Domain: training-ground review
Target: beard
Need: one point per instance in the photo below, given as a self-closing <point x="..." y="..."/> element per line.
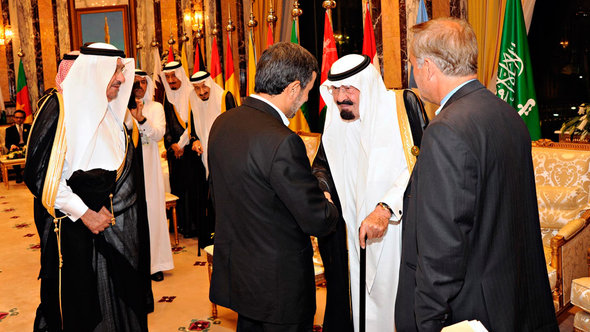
<point x="346" y="115"/>
<point x="296" y="105"/>
<point x="139" y="93"/>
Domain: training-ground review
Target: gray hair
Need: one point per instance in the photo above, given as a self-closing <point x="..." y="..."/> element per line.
<point x="449" y="42"/>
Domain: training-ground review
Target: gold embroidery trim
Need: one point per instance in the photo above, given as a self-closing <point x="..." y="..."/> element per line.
<point x="405" y="130"/>
<point x="56" y="162"/>
<point x="135" y="134"/>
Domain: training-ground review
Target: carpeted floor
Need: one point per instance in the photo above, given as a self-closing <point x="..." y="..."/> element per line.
<point x="181" y="299"/>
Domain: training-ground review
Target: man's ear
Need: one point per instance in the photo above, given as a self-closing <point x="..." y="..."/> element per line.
<point x="293" y="89"/>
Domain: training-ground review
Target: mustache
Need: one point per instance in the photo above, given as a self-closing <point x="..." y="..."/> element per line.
<point x="345" y="102"/>
<point x="117" y="84"/>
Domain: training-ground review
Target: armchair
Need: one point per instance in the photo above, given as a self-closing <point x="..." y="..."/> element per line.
<point x="562" y="177"/>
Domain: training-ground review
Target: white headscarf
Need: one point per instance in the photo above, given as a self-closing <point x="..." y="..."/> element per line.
<point x="205" y="112"/>
<point x="85" y="100"/>
<point x="179" y="98"/>
<point x="150" y="89"/>
<point x="382" y="172"/>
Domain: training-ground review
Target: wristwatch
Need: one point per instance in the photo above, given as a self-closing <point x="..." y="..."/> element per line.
<point x="385" y="206"/>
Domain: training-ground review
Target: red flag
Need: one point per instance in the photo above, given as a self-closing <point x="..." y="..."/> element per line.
<point x="199" y="63"/>
<point x="170" y="54"/>
<point x="369" y="47"/>
<point x="329" y="55"/>
<point x="269" y="37"/>
<point x="216" y="73"/>
<point x="231" y="83"/>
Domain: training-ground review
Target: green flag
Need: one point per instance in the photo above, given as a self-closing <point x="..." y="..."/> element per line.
<point x="515" y="75"/>
<point x="300" y="122"/>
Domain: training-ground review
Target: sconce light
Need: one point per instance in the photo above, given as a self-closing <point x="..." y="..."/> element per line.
<point x="195" y="21"/>
<point x="5" y="34"/>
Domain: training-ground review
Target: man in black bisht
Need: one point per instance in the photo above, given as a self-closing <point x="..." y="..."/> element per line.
<point x="187" y="173"/>
<point x="86" y="175"/>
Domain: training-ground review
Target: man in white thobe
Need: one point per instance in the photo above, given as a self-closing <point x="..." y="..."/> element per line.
<point x="207" y="102"/>
<point x="89" y="211"/>
<point x="363" y="148"/>
<point x="187" y="173"/>
<point x="149" y="117"/>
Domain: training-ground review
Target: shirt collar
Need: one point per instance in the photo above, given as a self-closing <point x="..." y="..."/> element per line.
<point x="450" y="94"/>
<point x="281" y="114"/>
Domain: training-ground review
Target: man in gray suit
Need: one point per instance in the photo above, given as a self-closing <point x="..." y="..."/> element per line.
<point x="471" y="247"/>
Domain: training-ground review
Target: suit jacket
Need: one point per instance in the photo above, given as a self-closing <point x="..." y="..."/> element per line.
<point x="12" y="136"/>
<point x="471" y="246"/>
<point x="267" y="204"/>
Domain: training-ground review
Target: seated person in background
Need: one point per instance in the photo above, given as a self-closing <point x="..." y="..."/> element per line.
<point x="16" y="138"/>
<point x="18" y="133"/>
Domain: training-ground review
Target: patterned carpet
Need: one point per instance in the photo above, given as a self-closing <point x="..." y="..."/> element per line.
<point x="181" y="299"/>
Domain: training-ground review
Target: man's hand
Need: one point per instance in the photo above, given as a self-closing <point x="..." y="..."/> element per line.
<point x="137" y="112"/>
<point x="197" y="147"/>
<point x="97" y="221"/>
<point x="14" y="147"/>
<point x="374" y="225"/>
<point x="178" y="151"/>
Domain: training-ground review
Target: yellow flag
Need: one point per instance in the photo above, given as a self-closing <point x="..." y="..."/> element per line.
<point x="184" y="60"/>
<point x="251" y="65"/>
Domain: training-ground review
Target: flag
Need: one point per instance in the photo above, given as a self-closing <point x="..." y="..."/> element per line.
<point x="369" y="47"/>
<point x="420" y="18"/>
<point x="158" y="85"/>
<point x="23" y="102"/>
<point x="215" y="71"/>
<point x="300" y="122"/>
<point x="251" y="64"/>
<point x="329" y="54"/>
<point x="170" y="54"/>
<point x="515" y="83"/>
<point x="231" y="84"/>
<point x="199" y="63"/>
<point x="269" y="37"/>
<point x="184" y="60"/>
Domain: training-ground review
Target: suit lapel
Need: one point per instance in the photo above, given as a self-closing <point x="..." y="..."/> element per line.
<point x="262" y="106"/>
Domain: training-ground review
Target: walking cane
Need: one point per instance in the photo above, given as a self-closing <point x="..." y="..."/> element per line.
<point x="362" y="287"/>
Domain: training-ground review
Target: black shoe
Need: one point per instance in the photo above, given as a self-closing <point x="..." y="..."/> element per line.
<point x="158" y="276"/>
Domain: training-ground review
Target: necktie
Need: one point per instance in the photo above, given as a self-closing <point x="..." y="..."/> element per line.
<point x="20" y="134"/>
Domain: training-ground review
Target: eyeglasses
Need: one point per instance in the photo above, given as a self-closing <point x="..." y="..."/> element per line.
<point x="347" y="89"/>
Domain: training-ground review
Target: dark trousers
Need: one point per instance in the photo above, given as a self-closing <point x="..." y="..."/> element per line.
<point x="246" y="324"/>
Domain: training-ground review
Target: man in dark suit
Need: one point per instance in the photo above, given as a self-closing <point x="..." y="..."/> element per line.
<point x="16" y="138"/>
<point x="18" y="133"/>
<point x="471" y="246"/>
<point x="267" y="201"/>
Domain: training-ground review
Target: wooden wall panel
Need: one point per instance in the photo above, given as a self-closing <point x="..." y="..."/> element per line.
<point x="169" y="25"/>
<point x="391" y="44"/>
<point x="440" y="8"/>
<point x="47" y="42"/>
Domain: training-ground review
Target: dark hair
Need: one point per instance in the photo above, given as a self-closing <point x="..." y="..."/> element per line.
<point x="19" y="111"/>
<point x="282" y="64"/>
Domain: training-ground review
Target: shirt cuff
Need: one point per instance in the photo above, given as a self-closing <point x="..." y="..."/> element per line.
<point x="74" y="208"/>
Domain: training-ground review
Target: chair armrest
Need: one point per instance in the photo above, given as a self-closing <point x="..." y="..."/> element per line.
<point x="571" y="228"/>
